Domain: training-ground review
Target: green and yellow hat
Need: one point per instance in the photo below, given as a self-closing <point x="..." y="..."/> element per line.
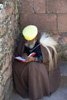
<point x="30" y="32"/>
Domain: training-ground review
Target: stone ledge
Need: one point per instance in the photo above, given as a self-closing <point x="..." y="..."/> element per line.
<point x="63" y="68"/>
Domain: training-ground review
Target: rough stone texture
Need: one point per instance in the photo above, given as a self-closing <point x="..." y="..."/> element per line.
<point x="7" y="74"/>
<point x="8" y="35"/>
<point x="61" y="38"/>
<point x="56" y="6"/>
<point x="25" y="6"/>
<point x="8" y="87"/>
<point x="62" y="22"/>
<point x="2" y="30"/>
<point x="39" y="6"/>
<point x="1" y="90"/>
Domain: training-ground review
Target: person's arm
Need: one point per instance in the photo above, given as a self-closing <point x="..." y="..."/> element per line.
<point x="29" y="59"/>
<point x="39" y="58"/>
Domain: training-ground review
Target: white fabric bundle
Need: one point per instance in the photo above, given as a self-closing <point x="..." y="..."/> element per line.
<point x="48" y="41"/>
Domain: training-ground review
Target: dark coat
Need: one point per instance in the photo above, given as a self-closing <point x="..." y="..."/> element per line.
<point x="34" y="80"/>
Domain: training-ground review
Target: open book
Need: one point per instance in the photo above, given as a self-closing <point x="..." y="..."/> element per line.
<point x="22" y="59"/>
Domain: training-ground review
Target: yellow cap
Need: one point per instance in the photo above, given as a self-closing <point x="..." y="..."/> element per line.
<point x="30" y="32"/>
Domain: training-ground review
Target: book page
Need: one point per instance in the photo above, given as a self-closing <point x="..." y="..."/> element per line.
<point x="20" y="58"/>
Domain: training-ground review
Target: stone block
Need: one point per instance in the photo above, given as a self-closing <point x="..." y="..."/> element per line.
<point x="13" y="17"/>
<point x="5" y="62"/>
<point x="63" y="34"/>
<point x="2" y="97"/>
<point x="62" y="51"/>
<point x="1" y="77"/>
<point x="4" y="47"/>
<point x="62" y="22"/>
<point x="9" y="8"/>
<point x="1" y="1"/>
<point x="39" y="6"/>
<point x="7" y="45"/>
<point x="1" y="90"/>
<point x="42" y="21"/>
<point x="25" y="6"/>
<point x="56" y="6"/>
<point x="2" y="15"/>
<point x="8" y="88"/>
<point x="8" y="19"/>
<point x="60" y="39"/>
<point x="2" y="30"/>
<point x="7" y="74"/>
<point x="63" y="55"/>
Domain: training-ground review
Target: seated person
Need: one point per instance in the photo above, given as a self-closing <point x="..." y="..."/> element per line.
<point x="39" y="76"/>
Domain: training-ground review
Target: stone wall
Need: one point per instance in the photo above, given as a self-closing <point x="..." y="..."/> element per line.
<point x="49" y="16"/>
<point x="9" y="30"/>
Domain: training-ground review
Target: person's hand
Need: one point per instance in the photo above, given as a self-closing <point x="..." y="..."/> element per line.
<point x="24" y="55"/>
<point x="29" y="59"/>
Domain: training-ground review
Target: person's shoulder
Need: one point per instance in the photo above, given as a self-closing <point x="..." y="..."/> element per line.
<point x="39" y="35"/>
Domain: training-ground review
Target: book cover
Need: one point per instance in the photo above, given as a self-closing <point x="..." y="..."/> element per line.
<point x="22" y="59"/>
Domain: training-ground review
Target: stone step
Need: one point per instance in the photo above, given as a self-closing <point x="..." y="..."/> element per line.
<point x="63" y="82"/>
<point x="60" y="93"/>
<point x="63" y="68"/>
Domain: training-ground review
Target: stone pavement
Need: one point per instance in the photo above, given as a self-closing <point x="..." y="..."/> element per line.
<point x="60" y="93"/>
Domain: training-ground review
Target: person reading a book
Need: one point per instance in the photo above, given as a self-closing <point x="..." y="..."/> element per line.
<point x="32" y="44"/>
<point x="39" y="75"/>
